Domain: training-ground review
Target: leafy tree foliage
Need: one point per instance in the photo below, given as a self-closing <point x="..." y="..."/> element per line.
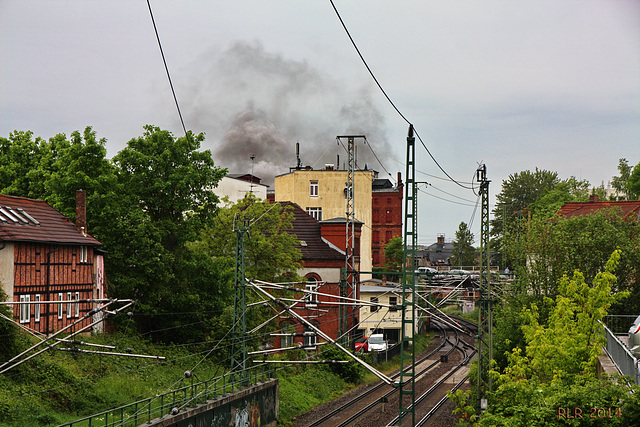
<point x="270" y="250"/>
<point x="621" y="183"/>
<point x="550" y="247"/>
<point x="144" y="206"/>
<point x="634" y="183"/>
<point x="463" y="251"/>
<point x="394" y="253"/>
<point x="556" y="369"/>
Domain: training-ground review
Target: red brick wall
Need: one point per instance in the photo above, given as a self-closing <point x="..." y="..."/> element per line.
<point x="47" y="270"/>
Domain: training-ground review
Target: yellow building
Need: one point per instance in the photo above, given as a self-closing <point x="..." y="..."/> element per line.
<point x="322" y="194"/>
<point x="382" y="315"/>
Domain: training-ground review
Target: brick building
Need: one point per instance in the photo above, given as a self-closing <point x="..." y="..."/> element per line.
<point x="50" y="266"/>
<point x="386" y="216"/>
<point x="322" y="261"/>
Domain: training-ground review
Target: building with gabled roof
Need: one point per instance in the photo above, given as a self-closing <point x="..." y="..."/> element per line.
<point x="322" y="262"/>
<point x="50" y="267"/>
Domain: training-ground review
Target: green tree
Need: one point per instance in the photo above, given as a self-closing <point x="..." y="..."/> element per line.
<point x="518" y="192"/>
<point x="552" y="246"/>
<point x="270" y="249"/>
<point x="634" y="183"/>
<point x="557" y="367"/>
<point x="20" y="154"/>
<point x="463" y="251"/>
<point x="394" y="253"/>
<point x="621" y="183"/>
<point x="165" y="198"/>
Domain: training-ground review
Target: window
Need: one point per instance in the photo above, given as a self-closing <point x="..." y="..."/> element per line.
<point x="376" y="236"/>
<point x="374" y="304"/>
<point x="389" y="216"/>
<point x="314" y="188"/>
<point x="376" y="257"/>
<point x="25" y="308"/>
<point x="287" y="340"/>
<point x="376" y="215"/>
<point x="68" y="304"/>
<point x="77" y="304"/>
<point x="393" y="302"/>
<point x="84" y="254"/>
<point x="315" y="212"/>
<point x="36" y="309"/>
<point x="388" y="235"/>
<point x="60" y="308"/>
<point x="309" y="338"/>
<point x="311" y="286"/>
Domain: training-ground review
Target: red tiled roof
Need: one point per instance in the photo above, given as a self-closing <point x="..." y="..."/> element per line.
<point x="307" y="229"/>
<point x="630" y="209"/>
<point x="31" y="220"/>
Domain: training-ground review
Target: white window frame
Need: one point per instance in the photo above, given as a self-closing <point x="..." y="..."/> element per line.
<point x="36" y="308"/>
<point x="315" y="213"/>
<point x="60" y="306"/>
<point x="314" y="189"/>
<point x="311" y="286"/>
<point x="25" y="309"/>
<point x="374" y="304"/>
<point x="84" y="254"/>
<point x="310" y="340"/>
<point x="289" y="332"/>
<point x="77" y="304"/>
<point x="69" y="305"/>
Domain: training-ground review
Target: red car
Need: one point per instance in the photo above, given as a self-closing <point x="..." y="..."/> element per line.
<point x="362" y="344"/>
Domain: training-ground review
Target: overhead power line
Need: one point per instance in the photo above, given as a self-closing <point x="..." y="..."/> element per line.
<point x="389" y="98"/>
<point x="166" y="68"/>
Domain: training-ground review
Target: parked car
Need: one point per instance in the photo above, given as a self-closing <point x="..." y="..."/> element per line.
<point x="362" y="344"/>
<point x="377" y="342"/>
<point x="426" y="271"/>
<point x="634" y="337"/>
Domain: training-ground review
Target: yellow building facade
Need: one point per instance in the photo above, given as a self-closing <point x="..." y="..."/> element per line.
<point x="321" y="193"/>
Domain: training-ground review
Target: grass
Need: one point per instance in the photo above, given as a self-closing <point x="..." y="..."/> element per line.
<point x="58" y="387"/>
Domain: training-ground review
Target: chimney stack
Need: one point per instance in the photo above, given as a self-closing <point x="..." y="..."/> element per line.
<point x="81" y="211"/>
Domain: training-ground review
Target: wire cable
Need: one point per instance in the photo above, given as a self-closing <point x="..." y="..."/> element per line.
<point x="166" y="68"/>
<point x="388" y="98"/>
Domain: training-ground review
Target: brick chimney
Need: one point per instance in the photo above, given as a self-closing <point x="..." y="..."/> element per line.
<point x="593" y="198"/>
<point x="81" y="211"/>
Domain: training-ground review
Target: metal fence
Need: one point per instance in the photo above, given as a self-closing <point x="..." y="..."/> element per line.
<point x="619" y="324"/>
<point x="143" y="411"/>
<point x="621" y="355"/>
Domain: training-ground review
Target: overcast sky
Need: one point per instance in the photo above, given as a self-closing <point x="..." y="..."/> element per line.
<point x="516" y="85"/>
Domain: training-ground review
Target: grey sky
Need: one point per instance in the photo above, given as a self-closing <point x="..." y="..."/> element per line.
<point x="514" y="84"/>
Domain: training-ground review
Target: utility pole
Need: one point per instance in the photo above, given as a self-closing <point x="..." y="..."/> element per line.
<point x="485" y="316"/>
<point x="349" y="279"/>
<point x="406" y="381"/>
<point x="239" y="327"/>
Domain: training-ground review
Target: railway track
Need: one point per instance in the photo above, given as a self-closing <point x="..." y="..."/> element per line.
<point x="434" y="370"/>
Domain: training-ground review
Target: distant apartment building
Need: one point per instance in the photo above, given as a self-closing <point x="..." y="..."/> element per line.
<point x="235" y="187"/>
<point x="386" y="216"/>
<point x="323" y="195"/>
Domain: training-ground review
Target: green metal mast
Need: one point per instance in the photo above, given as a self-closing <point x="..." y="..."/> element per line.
<point x="239" y="328"/>
<point x="485" y="315"/>
<point x="406" y="381"/>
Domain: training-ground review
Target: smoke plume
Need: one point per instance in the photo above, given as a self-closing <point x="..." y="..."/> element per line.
<point x="252" y="102"/>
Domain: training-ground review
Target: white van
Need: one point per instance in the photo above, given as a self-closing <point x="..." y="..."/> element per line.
<point x="377" y="342"/>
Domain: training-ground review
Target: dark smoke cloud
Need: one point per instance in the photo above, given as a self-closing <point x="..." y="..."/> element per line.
<point x="255" y="102"/>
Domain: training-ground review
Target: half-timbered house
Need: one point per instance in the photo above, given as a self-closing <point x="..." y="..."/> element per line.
<point x="50" y="268"/>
